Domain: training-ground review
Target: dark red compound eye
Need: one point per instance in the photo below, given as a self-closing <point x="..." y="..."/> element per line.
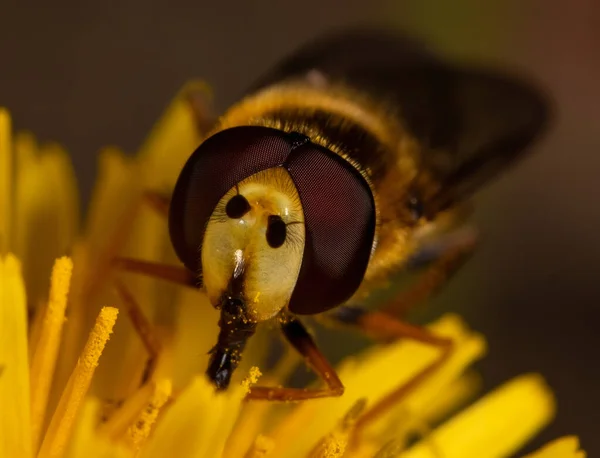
<point x="339" y="214"/>
<point x="338" y="205"/>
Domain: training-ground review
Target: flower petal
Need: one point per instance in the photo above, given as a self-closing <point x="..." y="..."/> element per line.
<point x="173" y="139"/>
<point x="15" y="423"/>
<point x="6" y="185"/>
<point x="496" y="425"/>
<point x="565" y="447"/>
<point x="110" y="217"/>
<point x="362" y="377"/>
<point x="191" y="345"/>
<point x="45" y="197"/>
<point x="197" y="424"/>
<point x="87" y="442"/>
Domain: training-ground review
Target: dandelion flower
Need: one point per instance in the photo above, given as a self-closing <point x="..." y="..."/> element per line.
<point x="71" y="365"/>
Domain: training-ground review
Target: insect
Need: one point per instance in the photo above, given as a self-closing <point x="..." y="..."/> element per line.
<point x="350" y="161"/>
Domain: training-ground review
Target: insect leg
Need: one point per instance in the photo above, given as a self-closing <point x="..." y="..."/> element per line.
<point x="382" y="326"/>
<point x="158" y="201"/>
<point x="298" y="336"/>
<point x="143" y="327"/>
<point x="441" y="259"/>
<point x="174" y="274"/>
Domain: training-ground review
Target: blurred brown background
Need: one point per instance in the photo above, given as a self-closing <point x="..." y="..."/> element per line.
<point x="90" y="74"/>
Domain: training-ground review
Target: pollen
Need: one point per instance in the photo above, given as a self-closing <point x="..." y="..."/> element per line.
<point x="331" y="446"/>
<point x="47" y="345"/>
<point x="251" y="379"/>
<point x="262" y="447"/>
<point x="62" y="422"/>
<point x="140" y="429"/>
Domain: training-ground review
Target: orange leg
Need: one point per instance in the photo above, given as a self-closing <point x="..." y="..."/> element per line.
<point x="141" y="323"/>
<point x="298" y="336"/>
<point x="158" y="202"/>
<point x="143" y="327"/>
<point x="174" y="274"/>
<point x="382" y="326"/>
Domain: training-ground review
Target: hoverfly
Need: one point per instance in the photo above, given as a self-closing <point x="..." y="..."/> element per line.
<point x="348" y="162"/>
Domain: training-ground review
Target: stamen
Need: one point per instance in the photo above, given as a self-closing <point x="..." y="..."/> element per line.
<point x="334" y="444"/>
<point x="139" y="431"/>
<point x="46" y="349"/>
<point x="262" y="447"/>
<point x="331" y="446"/>
<point x="251" y="379"/>
<point x="61" y="425"/>
<point x="116" y="428"/>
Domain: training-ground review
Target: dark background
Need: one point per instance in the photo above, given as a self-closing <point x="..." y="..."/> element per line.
<point x="92" y="74"/>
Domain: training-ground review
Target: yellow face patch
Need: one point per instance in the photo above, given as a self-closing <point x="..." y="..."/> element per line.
<point x="255" y="251"/>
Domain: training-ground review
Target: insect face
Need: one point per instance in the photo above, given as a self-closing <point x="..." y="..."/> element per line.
<point x="271" y="220"/>
<point x="253" y="244"/>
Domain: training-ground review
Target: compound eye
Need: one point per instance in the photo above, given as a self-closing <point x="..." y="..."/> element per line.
<point x="237" y="207"/>
<point x="276" y="231"/>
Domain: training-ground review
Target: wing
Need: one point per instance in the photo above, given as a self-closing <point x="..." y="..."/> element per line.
<point x="472" y="123"/>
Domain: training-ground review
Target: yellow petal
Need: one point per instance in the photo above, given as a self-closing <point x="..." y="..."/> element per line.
<point x="15" y="423"/>
<point x="111" y="196"/>
<point x="495" y="426"/>
<point x="45" y="197"/>
<point x="161" y="158"/>
<point x="6" y="172"/>
<point x="110" y="216"/>
<point x="194" y="310"/>
<point x="44" y="356"/>
<point x="565" y="447"/>
<point x="173" y="139"/>
<point x="453" y="396"/>
<point x="61" y="425"/>
<point x="362" y="376"/>
<point x="197" y="424"/>
<point x="87" y="442"/>
<point x="25" y="149"/>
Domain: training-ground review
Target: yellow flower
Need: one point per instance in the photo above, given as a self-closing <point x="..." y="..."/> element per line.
<point x="67" y="391"/>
